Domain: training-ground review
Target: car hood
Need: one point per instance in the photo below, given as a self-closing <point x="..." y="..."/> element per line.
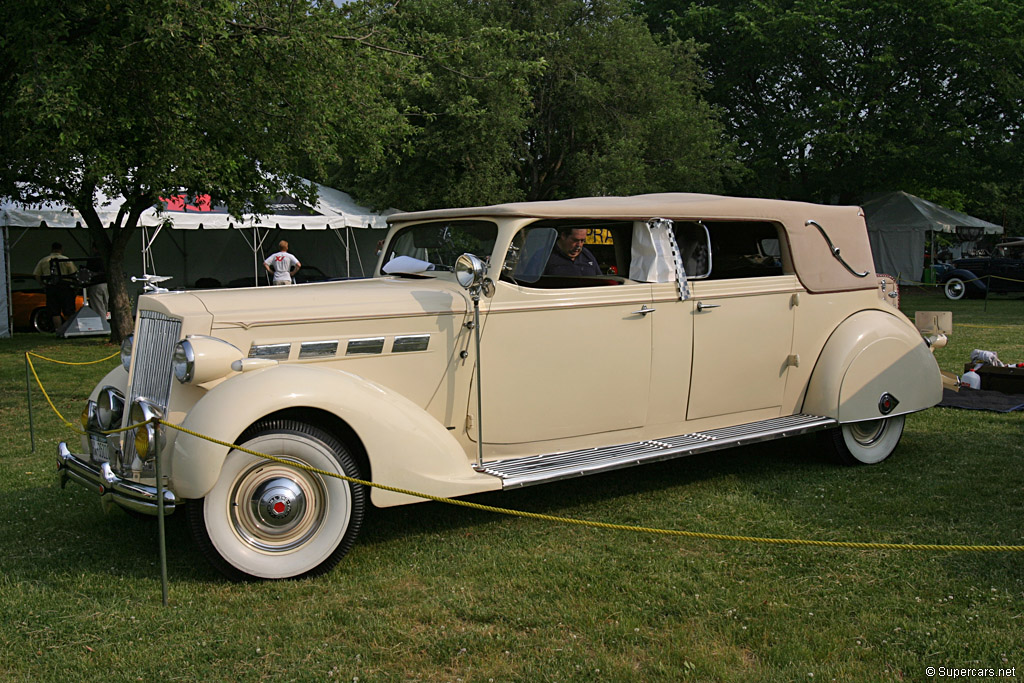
<point x="374" y="298"/>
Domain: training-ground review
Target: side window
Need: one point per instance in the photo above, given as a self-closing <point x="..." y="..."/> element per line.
<point x="437" y="245"/>
<point x="566" y="253"/>
<point x="693" y="249"/>
<point x="745" y="249"/>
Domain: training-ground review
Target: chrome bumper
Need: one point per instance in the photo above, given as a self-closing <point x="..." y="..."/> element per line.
<point x="112" y="489"/>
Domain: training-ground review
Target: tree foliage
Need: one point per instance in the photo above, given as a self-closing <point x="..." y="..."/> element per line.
<point x="544" y="99"/>
<point x="142" y="98"/>
<point x="833" y="99"/>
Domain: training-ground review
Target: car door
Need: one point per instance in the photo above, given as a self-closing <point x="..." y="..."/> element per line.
<point x="743" y="319"/>
<point x="565" y="362"/>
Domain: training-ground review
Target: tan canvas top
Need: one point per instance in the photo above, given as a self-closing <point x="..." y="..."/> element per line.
<point x="817" y="269"/>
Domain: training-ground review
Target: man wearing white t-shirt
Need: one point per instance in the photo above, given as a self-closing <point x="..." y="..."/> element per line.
<point x="283" y="265"/>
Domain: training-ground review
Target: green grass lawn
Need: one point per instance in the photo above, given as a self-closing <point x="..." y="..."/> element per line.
<point x="438" y="593"/>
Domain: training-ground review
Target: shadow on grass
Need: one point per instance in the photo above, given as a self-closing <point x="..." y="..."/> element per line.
<point x="797" y="457"/>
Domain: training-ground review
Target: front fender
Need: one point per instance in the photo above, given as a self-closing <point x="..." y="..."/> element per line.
<point x="980" y="284"/>
<point x="869" y="354"/>
<point x="407" y="447"/>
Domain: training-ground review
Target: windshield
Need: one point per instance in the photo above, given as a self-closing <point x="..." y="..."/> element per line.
<point x="436" y="246"/>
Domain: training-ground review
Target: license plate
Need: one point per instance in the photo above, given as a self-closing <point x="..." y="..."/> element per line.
<point x="98" y="448"/>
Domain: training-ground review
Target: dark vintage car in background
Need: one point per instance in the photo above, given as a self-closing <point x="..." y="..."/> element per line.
<point x="28" y="304"/>
<point x="975" y="276"/>
<point x="305" y="274"/>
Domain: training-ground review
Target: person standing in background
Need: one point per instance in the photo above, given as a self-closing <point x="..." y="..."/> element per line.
<point x="97" y="289"/>
<point x="52" y="272"/>
<point x="283" y="265"/>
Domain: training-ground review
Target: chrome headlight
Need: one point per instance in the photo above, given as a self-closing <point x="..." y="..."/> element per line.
<point x="148" y="437"/>
<point x="126" y="352"/>
<point x="88" y="418"/>
<point x="109" y="408"/>
<point x="184" y="361"/>
<point x="469" y="271"/>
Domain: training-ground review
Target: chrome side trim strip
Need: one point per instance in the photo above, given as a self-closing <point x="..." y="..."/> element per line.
<point x="370" y="345"/>
<point x="410" y="342"/>
<point x="536" y="469"/>
<point x="318" y="349"/>
<point x="271" y="351"/>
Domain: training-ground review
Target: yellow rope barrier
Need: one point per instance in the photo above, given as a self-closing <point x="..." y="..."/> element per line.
<point x="989" y="327"/>
<point x="905" y="281"/>
<point x="606" y="525"/>
<point x="64" y="362"/>
<point x="542" y="517"/>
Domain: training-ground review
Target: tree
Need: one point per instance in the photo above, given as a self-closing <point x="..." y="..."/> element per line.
<point x="830" y="100"/>
<point x="149" y="98"/>
<point x="544" y="99"/>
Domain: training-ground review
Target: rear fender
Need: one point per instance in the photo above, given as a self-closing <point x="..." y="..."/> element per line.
<point x="869" y="355"/>
<point x="407" y="448"/>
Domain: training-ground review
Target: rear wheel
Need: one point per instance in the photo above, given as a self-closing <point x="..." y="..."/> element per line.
<point x="268" y="520"/>
<point x="864" y="443"/>
<point x="41" y="322"/>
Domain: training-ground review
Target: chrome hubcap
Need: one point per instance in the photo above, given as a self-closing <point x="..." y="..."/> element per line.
<point x="275" y="508"/>
<point x="867" y="433"/>
<point x="278" y="503"/>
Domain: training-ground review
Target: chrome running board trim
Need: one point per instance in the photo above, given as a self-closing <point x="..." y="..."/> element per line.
<point x="537" y="469"/>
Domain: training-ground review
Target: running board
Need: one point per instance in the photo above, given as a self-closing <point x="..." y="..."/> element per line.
<point x="538" y="469"/>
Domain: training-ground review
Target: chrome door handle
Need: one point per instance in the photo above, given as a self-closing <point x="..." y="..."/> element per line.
<point x="643" y="310"/>
<point x="702" y="306"/>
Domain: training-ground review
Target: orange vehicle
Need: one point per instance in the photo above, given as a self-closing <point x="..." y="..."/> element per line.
<point x="28" y="304"/>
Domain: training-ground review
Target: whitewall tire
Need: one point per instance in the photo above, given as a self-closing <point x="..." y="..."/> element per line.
<point x="955" y="289"/>
<point x="865" y="443"/>
<point x="268" y="520"/>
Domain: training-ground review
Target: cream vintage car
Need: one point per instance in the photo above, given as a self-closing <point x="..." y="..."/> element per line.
<point x="460" y="367"/>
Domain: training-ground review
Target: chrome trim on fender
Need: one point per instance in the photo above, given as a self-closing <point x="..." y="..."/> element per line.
<point x="271" y="351"/>
<point x="318" y="349"/>
<point x="410" y="342"/>
<point x="369" y="345"/>
<point x="111" y="488"/>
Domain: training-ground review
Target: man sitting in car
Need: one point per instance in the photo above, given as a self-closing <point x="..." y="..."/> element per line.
<point x="570" y="257"/>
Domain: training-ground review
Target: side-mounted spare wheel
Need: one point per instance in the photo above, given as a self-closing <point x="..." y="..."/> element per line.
<point x="268" y="520"/>
<point x="864" y="443"/>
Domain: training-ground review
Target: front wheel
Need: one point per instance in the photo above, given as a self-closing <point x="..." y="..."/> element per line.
<point x="268" y="520"/>
<point x="864" y="443"/>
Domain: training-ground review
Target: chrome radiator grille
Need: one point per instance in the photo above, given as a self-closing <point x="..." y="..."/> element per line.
<point x="152" y="353"/>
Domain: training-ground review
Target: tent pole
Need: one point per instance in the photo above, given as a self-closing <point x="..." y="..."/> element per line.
<point x="348" y="251"/>
<point x="359" y="258"/>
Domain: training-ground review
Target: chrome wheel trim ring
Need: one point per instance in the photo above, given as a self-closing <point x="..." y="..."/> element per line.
<point x="259" y="489"/>
<point x="955" y="289"/>
<point x="867" y="433"/>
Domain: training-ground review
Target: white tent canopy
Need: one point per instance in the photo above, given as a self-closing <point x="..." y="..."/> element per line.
<point x="334" y="209"/>
<point x="209" y="246"/>
<point x="899" y="225"/>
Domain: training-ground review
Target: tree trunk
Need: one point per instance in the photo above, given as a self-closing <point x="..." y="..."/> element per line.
<point x="112" y="243"/>
<point x="121" y="320"/>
